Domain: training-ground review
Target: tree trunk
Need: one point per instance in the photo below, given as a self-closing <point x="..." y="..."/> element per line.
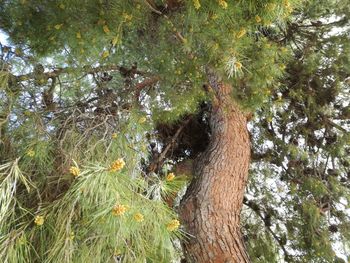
<point x="211" y="208"/>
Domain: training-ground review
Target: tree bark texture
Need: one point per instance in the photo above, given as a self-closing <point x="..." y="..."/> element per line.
<point x="210" y="210"/>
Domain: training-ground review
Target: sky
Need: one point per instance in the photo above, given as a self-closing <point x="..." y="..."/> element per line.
<point x="3" y="38"/>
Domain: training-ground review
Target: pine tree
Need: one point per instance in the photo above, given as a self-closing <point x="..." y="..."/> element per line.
<point x="110" y="108"/>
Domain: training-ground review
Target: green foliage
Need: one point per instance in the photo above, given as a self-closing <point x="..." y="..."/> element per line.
<point x="306" y="129"/>
<point x="114" y="32"/>
<point x="69" y="99"/>
<point x="78" y="212"/>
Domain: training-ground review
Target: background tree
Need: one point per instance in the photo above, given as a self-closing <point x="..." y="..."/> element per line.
<point x="301" y="144"/>
<point x="105" y="104"/>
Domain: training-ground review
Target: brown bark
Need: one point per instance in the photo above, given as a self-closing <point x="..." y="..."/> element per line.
<point x="211" y="208"/>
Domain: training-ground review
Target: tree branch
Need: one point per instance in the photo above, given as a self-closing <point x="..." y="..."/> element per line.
<point x="87" y="70"/>
<point x="147" y="82"/>
<point x="154" y="165"/>
<point x="255" y="207"/>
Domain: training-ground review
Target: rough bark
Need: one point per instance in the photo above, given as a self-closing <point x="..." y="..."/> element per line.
<point x="211" y="208"/>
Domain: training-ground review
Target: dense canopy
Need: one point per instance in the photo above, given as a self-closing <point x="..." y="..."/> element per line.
<point x="105" y="104"/>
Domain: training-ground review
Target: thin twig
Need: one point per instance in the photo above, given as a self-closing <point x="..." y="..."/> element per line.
<point x="152" y="167"/>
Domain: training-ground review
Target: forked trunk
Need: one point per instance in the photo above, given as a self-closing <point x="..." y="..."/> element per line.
<point x="211" y="208"/>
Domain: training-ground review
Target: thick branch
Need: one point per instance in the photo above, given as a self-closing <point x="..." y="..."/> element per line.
<point x="87" y="70"/>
